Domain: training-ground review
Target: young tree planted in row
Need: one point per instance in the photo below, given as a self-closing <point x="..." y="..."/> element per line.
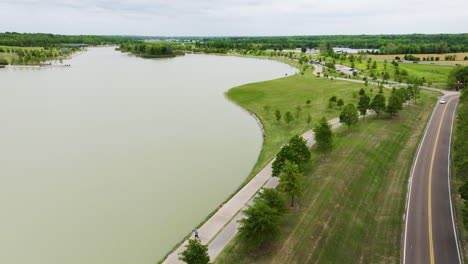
<point x="261" y="224"/>
<point x="278" y="115"/>
<point x="340" y="103"/>
<point x="288" y="117"/>
<point x="323" y="134"/>
<point x="290" y="181"/>
<point x="378" y="104"/>
<point x="296" y="151"/>
<point x="195" y="253"/>
<point x="349" y="115"/>
<point x="363" y="105"/>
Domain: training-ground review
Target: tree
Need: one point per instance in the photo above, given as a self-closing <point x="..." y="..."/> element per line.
<point x="363" y="104"/>
<point x="392" y="106"/>
<point x="308" y="102"/>
<point x="288" y="117"/>
<point x="340" y="103"/>
<point x="195" y="253"/>
<point x="3" y="61"/>
<point x="278" y="115"/>
<point x="323" y="134"/>
<point x="332" y="99"/>
<point x="378" y="104"/>
<point x="260" y="225"/>
<point x="296" y="151"/>
<point x="349" y="115"/>
<point x="362" y="92"/>
<point x="309" y="119"/>
<point x="298" y="111"/>
<point x="459" y="73"/>
<point x="290" y="181"/>
<point x="272" y="198"/>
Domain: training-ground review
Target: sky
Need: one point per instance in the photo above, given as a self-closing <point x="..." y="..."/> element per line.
<point x="233" y="17"/>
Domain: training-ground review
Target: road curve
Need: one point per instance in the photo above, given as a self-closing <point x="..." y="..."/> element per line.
<point x="430" y="235"/>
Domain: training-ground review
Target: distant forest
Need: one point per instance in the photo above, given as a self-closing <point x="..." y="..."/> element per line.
<point x="387" y="44"/>
<point x="51" y="40"/>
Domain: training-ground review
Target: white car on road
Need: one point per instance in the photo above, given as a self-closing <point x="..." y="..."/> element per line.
<point x="442" y="101"/>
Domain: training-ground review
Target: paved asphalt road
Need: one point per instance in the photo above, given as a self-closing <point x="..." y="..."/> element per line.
<point x="430" y="235"/>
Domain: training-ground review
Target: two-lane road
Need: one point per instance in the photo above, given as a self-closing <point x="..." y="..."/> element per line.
<point x="430" y="235"/>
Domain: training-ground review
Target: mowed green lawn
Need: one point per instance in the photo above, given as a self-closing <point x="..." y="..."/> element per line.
<point x="354" y="199"/>
<point x="432" y="73"/>
<point x="285" y="94"/>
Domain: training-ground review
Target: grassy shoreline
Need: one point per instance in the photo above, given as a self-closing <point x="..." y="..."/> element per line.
<point x="355" y="197"/>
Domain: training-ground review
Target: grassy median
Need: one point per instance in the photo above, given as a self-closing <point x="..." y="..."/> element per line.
<point x="353" y="204"/>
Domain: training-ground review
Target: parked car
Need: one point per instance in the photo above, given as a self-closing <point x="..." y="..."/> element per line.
<point x="442" y="101"/>
<point x="415" y="62"/>
<point x="399" y="61"/>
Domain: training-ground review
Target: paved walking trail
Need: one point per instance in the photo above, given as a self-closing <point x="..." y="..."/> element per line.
<point x="223" y="225"/>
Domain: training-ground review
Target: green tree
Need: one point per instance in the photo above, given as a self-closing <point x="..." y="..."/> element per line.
<point x="394" y="104"/>
<point x="323" y="134"/>
<point x="288" y="117"/>
<point x="296" y="151"/>
<point x="332" y="99"/>
<point x="272" y="198"/>
<point x="308" y="102"/>
<point x="378" y="104"/>
<point x="340" y="103"/>
<point x="349" y="115"/>
<point x="195" y="253"/>
<point x="309" y="119"/>
<point x="3" y="61"/>
<point x="362" y="92"/>
<point x="290" y="181"/>
<point x="459" y="73"/>
<point x="278" y="115"/>
<point x="298" y="111"/>
<point x="261" y="225"/>
<point x="364" y="104"/>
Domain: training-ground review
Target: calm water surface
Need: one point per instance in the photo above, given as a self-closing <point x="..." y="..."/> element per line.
<point x="115" y="159"/>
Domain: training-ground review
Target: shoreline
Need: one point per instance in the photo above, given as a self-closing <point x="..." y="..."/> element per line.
<point x="247" y="180"/>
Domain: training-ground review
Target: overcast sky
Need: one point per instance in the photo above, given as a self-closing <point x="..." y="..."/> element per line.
<point x="233" y="17"/>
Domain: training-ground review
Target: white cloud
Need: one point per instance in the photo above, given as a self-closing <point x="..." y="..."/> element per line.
<point x="233" y="17"/>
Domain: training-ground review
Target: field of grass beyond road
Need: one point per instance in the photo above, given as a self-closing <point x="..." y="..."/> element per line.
<point x="285" y="94"/>
<point x="354" y="199"/>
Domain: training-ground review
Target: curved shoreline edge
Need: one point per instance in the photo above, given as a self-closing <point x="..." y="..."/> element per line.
<point x="247" y="179"/>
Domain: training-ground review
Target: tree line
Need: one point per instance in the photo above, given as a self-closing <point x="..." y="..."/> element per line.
<point x="386" y="44"/>
<point x="52" y="40"/>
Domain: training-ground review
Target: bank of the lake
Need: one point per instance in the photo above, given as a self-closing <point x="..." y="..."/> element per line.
<point x="116" y="158"/>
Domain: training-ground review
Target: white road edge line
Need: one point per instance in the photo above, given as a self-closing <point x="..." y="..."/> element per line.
<point x="410" y="181"/>
<point x="449" y="189"/>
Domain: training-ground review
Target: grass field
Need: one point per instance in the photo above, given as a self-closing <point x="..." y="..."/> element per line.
<point x="459" y="59"/>
<point x="285" y="94"/>
<point x="435" y="74"/>
<point x="353" y="204"/>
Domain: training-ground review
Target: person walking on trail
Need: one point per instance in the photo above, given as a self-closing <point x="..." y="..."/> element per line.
<point x="459" y="84"/>
<point x="196" y="234"/>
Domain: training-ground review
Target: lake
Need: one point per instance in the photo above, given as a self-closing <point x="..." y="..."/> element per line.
<point x="116" y="158"/>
